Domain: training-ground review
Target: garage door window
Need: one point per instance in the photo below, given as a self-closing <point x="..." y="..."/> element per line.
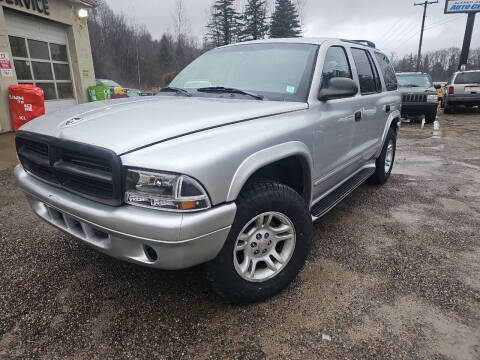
<point x="44" y="65"/>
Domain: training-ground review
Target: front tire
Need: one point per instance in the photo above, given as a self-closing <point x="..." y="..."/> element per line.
<point x="431" y="117"/>
<point x="267" y="245"/>
<point x="384" y="163"/>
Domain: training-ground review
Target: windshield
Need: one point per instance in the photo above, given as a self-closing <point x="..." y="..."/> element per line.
<point x="419" y="80"/>
<point x="468" y="78"/>
<point x="110" y="83"/>
<point x="276" y="71"/>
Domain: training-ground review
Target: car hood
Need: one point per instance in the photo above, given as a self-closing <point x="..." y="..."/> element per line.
<point x="418" y="90"/>
<point x="128" y="124"/>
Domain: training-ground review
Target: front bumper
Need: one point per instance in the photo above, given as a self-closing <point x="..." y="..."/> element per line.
<point x="130" y="233"/>
<point x="418" y="108"/>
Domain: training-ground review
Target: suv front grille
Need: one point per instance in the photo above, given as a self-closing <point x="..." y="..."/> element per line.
<point x="86" y="170"/>
<point x="414" y="98"/>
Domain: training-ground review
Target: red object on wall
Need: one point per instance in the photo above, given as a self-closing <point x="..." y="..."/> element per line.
<point x="26" y="103"/>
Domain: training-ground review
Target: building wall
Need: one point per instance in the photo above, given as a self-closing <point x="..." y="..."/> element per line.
<point x="62" y="11"/>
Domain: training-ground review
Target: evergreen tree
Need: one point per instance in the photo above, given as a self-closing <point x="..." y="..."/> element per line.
<point x="255" y="20"/>
<point x="224" y="26"/>
<point x="285" y="20"/>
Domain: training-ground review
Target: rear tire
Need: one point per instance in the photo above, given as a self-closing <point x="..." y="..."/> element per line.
<point x="232" y="274"/>
<point x="448" y="109"/>
<point x="386" y="159"/>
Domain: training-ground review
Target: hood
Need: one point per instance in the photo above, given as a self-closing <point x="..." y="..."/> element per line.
<point x="418" y="90"/>
<point x="128" y="124"/>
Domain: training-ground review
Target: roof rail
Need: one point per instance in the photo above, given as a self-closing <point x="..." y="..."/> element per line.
<point x="364" y="42"/>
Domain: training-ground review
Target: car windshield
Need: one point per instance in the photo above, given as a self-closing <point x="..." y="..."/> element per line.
<point x="110" y="83"/>
<point x="468" y="78"/>
<point x="278" y="71"/>
<point x="422" y="81"/>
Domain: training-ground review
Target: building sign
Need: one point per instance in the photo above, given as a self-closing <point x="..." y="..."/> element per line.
<point x="5" y="65"/>
<point x="461" y="6"/>
<point x="40" y="6"/>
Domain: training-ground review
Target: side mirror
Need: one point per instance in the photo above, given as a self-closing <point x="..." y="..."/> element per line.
<point x="437" y="86"/>
<point x="338" y="88"/>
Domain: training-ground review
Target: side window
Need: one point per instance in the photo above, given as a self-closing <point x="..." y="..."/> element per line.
<point x="368" y="84"/>
<point x="388" y="72"/>
<point x="378" y="82"/>
<point x="336" y="65"/>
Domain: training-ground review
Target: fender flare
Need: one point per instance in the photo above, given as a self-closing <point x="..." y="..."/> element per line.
<point x="394" y="116"/>
<point x="266" y="157"/>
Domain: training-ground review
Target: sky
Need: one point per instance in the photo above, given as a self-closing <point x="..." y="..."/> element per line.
<point x="394" y="25"/>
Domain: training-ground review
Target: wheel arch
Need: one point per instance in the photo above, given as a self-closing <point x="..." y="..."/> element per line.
<point x="293" y="156"/>
<point x="392" y="122"/>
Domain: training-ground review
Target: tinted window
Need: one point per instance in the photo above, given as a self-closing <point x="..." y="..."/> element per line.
<point x="22" y="68"/>
<point x="468" y="78"/>
<point x="388" y="72"/>
<point x="365" y="73"/>
<point x="19" y="49"/>
<point x="336" y="65"/>
<point x="59" y="52"/>
<point x="378" y="82"/>
<point x="38" y="50"/>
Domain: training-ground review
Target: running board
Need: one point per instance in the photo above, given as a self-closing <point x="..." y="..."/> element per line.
<point x="328" y="202"/>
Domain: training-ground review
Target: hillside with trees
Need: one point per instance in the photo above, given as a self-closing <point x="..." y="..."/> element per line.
<point x="126" y="52"/>
<point x="440" y="64"/>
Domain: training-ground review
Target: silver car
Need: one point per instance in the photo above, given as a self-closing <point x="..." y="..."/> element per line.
<point x="228" y="166"/>
<point x="462" y="89"/>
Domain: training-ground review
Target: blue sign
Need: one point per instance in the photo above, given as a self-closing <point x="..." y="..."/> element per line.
<point x="461" y="6"/>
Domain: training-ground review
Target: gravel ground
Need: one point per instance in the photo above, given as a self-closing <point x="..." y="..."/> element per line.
<point x="394" y="274"/>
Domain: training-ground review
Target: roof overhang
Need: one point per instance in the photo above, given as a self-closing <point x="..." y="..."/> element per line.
<point x="89" y="3"/>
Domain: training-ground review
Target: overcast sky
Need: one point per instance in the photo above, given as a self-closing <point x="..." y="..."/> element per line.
<point x="394" y="25"/>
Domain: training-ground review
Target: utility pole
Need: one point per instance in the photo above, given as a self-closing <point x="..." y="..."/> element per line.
<point x="425" y="5"/>
<point x="467" y="40"/>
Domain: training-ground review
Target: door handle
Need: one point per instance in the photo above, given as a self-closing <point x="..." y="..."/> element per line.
<point x="387" y="108"/>
<point x="358" y="116"/>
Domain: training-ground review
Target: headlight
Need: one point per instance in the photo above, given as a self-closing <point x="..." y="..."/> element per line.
<point x="432" y="98"/>
<point x="163" y="191"/>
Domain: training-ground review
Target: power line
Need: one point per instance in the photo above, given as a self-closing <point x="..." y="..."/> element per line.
<point x="425" y="5"/>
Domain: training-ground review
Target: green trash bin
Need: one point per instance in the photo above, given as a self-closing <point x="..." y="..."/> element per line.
<point x="98" y="92"/>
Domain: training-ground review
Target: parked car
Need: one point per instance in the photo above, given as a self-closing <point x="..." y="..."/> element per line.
<point x="419" y="95"/>
<point x="229" y="166"/>
<point x="115" y="88"/>
<point x="462" y="89"/>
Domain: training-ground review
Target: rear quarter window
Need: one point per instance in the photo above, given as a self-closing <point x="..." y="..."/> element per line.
<point x="468" y="78"/>
<point x="388" y="71"/>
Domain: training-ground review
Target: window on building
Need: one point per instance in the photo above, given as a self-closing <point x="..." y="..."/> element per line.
<point x="43" y="64"/>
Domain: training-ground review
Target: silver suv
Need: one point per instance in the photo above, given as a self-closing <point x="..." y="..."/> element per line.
<point x="462" y="89"/>
<point x="228" y="166"/>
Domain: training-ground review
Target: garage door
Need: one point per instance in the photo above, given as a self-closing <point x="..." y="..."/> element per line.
<point x="40" y="56"/>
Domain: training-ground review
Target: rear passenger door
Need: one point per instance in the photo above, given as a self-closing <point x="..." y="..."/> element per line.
<point x="374" y="105"/>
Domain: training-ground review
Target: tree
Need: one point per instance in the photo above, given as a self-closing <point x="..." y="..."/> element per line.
<point x="255" y="20"/>
<point x="285" y="20"/>
<point x="224" y="26"/>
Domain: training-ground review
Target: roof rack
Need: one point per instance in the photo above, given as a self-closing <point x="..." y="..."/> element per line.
<point x="363" y="42"/>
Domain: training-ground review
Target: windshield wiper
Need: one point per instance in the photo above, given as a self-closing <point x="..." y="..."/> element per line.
<point x="226" y="90"/>
<point x="176" y="90"/>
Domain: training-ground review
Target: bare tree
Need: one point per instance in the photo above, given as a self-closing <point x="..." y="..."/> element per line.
<point x="181" y="22"/>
